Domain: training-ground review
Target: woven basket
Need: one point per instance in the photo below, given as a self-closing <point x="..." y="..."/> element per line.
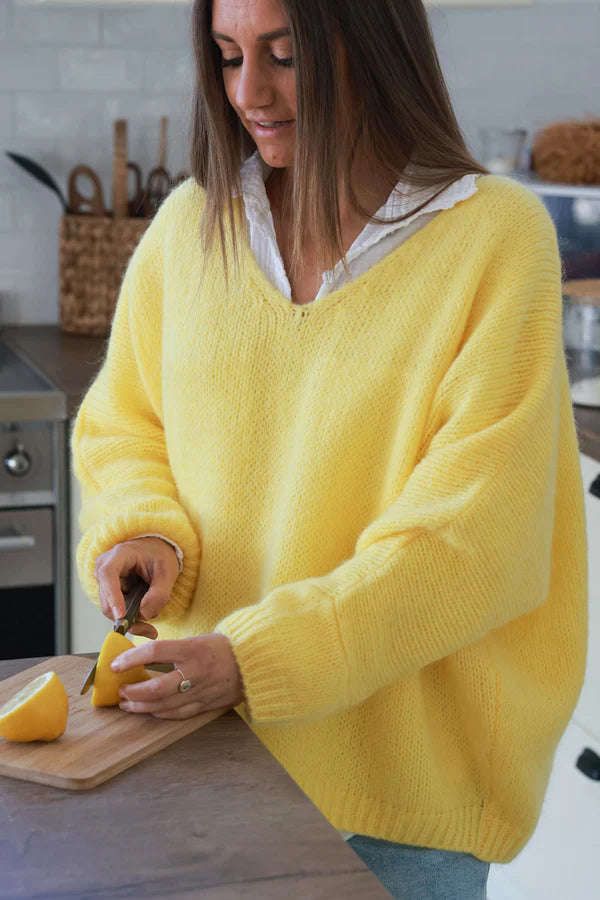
<point x="94" y="252"/>
<point x="96" y="244"/>
<point x="568" y="152"/>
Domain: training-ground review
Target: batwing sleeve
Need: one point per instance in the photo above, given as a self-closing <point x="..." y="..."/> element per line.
<point x="119" y="454"/>
<point x="466" y="546"/>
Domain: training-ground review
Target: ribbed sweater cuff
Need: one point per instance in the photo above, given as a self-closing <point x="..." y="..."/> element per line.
<point x="127" y="526"/>
<point x="290" y="674"/>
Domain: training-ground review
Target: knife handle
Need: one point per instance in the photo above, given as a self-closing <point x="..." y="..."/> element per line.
<point x="133" y="600"/>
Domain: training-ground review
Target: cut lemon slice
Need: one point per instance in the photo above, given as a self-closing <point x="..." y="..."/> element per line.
<point x="38" y="712"/>
<point x="107" y="682"/>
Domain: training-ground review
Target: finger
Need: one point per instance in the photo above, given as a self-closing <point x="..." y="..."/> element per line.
<point x="111" y="594"/>
<point x="159" y="593"/>
<point x="153" y="691"/>
<point x="155" y="651"/>
<point x="144" y="629"/>
<point x="182" y="712"/>
<point x="174" y="701"/>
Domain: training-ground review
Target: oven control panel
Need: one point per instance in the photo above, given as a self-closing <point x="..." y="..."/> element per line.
<point x="26" y="472"/>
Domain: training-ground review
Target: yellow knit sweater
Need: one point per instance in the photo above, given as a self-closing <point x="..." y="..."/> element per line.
<point x="379" y="501"/>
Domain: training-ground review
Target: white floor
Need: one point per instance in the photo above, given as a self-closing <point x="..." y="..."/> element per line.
<point x="562" y="859"/>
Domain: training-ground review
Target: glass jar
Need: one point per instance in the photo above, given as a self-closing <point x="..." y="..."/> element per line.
<point x="581" y="339"/>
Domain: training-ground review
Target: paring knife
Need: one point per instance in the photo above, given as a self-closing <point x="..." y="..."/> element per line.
<point x="133" y="600"/>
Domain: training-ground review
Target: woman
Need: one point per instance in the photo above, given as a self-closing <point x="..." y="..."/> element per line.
<point x="333" y="433"/>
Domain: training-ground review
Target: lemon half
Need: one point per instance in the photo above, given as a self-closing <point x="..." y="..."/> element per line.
<point x="38" y="712"/>
<point x="107" y="682"/>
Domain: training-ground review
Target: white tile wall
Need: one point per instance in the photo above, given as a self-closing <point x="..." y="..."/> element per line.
<point x="67" y="73"/>
<point x="56" y="27"/>
<point x="99" y="70"/>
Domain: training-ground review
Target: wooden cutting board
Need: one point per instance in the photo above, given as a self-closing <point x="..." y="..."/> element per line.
<point x="99" y="741"/>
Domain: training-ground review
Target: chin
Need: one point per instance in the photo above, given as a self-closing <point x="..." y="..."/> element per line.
<point x="276" y="157"/>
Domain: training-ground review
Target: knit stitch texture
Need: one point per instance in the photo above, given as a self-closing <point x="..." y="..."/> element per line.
<point x="379" y="502"/>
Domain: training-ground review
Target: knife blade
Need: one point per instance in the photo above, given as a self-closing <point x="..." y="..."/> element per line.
<point x="133" y="600"/>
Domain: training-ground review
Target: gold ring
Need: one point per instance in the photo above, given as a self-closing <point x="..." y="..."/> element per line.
<point x="184" y="685"/>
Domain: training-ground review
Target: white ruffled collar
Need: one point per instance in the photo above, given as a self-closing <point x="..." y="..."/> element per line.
<point x="254" y="172"/>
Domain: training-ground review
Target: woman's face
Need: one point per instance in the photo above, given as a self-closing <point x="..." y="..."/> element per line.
<point x="258" y="73"/>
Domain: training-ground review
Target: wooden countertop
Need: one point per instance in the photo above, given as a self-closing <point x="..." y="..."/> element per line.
<point x="71" y="361"/>
<point x="212" y="816"/>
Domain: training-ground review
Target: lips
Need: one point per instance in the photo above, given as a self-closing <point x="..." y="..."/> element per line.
<point x="272" y="130"/>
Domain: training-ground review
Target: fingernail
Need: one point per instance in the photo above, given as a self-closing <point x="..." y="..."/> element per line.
<point x="115" y="665"/>
<point x="115" y="612"/>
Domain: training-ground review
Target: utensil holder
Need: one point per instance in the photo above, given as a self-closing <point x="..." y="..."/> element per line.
<point x="94" y="252"/>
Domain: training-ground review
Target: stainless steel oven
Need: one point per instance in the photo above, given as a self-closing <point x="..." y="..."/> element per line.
<point x="34" y="599"/>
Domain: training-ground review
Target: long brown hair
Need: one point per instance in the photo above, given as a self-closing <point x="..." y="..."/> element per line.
<point x="401" y="116"/>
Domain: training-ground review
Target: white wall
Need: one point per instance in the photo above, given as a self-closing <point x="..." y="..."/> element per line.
<point x="66" y="74"/>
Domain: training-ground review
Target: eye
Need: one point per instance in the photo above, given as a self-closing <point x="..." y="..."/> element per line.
<point x="236" y="61"/>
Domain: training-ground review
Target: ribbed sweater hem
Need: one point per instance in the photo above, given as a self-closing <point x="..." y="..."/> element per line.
<point x="477" y="830"/>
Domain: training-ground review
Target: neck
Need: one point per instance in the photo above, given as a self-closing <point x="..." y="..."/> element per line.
<point x="371" y="193"/>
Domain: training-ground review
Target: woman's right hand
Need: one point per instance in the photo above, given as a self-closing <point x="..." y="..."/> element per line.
<point x="118" y="570"/>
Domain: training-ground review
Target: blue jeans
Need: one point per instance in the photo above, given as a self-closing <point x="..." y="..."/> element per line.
<point x="420" y="873"/>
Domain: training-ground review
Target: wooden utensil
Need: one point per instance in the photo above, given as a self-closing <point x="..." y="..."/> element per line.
<point x="120" y="169"/>
<point x="135" y="203"/>
<point x="162" y="150"/>
<point x="157" y="188"/>
<point x="85" y="204"/>
<point x="179" y="178"/>
<point x="99" y="741"/>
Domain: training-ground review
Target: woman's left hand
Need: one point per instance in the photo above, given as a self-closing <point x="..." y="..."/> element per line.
<point x="206" y="661"/>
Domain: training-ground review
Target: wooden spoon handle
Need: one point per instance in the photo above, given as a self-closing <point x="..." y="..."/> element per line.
<point x="120" y="169"/>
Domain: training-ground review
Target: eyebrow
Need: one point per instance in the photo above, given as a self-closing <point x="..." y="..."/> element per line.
<point x="268" y="36"/>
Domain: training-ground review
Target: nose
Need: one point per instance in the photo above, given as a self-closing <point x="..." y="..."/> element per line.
<point x="253" y="88"/>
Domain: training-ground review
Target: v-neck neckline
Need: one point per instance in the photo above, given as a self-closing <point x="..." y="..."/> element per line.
<point x="273" y="296"/>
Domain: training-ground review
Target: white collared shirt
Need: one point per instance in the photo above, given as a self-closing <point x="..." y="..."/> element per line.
<point x="372" y="244"/>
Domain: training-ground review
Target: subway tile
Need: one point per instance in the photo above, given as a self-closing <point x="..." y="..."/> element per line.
<point x="573" y="24"/>
<point x="5" y="20"/>
<point x="77" y="117"/>
<point x="168" y="71"/>
<point x="7" y="118"/>
<point x="145" y="28"/>
<point x="31" y="71"/>
<point x="56" y="25"/>
<point x="35" y="208"/>
<point x="6" y="220"/>
<point x="29" y="267"/>
<point x="99" y="70"/>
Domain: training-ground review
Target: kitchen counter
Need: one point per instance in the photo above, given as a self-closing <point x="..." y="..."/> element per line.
<point x="71" y="361"/>
<point x="212" y="816"/>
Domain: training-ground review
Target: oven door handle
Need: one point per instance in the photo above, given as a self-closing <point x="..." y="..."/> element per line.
<point x="15" y="540"/>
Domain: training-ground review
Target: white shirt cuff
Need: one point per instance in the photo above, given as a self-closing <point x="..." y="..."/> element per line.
<point x="175" y="546"/>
